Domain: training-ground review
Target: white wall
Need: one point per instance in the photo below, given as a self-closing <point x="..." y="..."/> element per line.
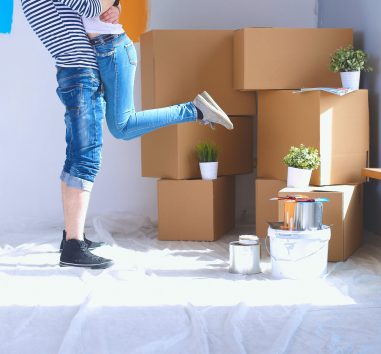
<point x="231" y="14"/>
<point x="31" y="116"/>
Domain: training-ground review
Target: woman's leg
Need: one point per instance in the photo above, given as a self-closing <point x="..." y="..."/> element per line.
<point x="117" y="61"/>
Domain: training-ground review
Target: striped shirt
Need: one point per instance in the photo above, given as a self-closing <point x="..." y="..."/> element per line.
<point x="59" y="26"/>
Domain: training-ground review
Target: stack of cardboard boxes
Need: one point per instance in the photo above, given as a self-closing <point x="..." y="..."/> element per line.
<point x="250" y="72"/>
<point x="176" y="66"/>
<point x="337" y="126"/>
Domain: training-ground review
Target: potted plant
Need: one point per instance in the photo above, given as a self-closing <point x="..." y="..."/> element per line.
<point x="301" y="161"/>
<point x="207" y="154"/>
<point x="350" y="62"/>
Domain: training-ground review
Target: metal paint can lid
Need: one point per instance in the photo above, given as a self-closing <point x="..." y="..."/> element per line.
<point x="248" y="240"/>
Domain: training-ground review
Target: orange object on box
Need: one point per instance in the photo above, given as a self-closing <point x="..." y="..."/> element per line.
<point x="135" y="18"/>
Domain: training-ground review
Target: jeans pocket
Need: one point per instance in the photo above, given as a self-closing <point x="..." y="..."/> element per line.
<point x="131" y="52"/>
<point x="70" y="96"/>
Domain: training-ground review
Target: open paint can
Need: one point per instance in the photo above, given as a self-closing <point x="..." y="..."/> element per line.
<point x="308" y="216"/>
<point x="245" y="255"/>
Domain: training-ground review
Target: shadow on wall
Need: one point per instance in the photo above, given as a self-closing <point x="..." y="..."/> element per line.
<point x="134" y="17"/>
<point x="372" y="191"/>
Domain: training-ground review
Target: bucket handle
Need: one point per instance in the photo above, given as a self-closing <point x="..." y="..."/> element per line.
<point x="290" y="260"/>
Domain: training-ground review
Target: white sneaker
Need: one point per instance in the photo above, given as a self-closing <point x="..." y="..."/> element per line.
<point x="211" y="100"/>
<point x="211" y="111"/>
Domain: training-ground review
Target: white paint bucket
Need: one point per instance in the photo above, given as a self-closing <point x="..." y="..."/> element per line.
<point x="299" y="254"/>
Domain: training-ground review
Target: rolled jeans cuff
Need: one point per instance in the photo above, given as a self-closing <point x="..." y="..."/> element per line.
<point x="76" y="182"/>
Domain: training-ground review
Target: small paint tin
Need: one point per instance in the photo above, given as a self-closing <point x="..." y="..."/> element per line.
<point x="248" y="240"/>
<point x="244" y="258"/>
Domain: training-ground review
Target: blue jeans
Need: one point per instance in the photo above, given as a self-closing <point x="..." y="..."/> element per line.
<point x="117" y="61"/>
<point x="80" y="90"/>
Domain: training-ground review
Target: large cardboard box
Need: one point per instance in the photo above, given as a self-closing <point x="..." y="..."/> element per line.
<point x="265" y="209"/>
<point x="337" y="126"/>
<point x="170" y="152"/>
<point x="179" y="64"/>
<point x="286" y="58"/>
<point x="343" y="212"/>
<point x="195" y="210"/>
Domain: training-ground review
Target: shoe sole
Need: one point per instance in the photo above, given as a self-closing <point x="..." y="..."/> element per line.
<point x="91" y="266"/>
<point x="224" y="119"/>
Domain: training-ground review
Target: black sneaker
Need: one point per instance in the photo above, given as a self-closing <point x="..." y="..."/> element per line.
<point x="90" y="244"/>
<point x="76" y="254"/>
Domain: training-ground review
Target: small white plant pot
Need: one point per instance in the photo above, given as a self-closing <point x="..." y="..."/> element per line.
<point x="350" y="79"/>
<point x="208" y="170"/>
<point x="298" y="178"/>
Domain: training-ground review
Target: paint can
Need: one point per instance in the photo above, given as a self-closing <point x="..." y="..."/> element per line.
<point x="245" y="255"/>
<point x="308" y="216"/>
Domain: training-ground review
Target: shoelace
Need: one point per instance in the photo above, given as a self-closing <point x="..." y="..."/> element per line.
<point x="83" y="247"/>
<point x="206" y="122"/>
<point x="94" y="257"/>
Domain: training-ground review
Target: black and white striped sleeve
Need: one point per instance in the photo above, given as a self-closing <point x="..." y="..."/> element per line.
<point x="86" y="8"/>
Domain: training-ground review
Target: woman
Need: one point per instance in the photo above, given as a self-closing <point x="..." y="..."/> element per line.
<point x="117" y="61"/>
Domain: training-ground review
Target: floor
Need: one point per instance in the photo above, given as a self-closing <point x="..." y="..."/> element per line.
<point x="178" y="297"/>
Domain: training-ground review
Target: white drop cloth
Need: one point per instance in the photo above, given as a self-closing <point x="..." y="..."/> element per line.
<point x="178" y="297"/>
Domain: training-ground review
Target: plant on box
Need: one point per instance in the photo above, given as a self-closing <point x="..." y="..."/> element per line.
<point x="350" y="62"/>
<point x="301" y="161"/>
<point x="207" y="154"/>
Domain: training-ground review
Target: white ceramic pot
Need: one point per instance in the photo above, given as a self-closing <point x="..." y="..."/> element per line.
<point x="350" y="80"/>
<point x="298" y="178"/>
<point x="208" y="170"/>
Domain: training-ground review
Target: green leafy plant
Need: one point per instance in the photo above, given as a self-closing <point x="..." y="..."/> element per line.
<point x="207" y="152"/>
<point x="303" y="157"/>
<point x="349" y="59"/>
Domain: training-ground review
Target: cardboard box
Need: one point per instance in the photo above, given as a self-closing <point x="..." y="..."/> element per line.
<point x="265" y="209"/>
<point x="179" y="64"/>
<point x="337" y="126"/>
<point x="344" y="212"/>
<point x="170" y="152"/>
<point x="195" y="210"/>
<point x="286" y="58"/>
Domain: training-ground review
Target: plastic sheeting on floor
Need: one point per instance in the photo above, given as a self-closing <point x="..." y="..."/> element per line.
<point x="178" y="297"/>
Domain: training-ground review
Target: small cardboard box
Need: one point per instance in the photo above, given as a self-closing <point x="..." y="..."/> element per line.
<point x="265" y="209"/>
<point x="343" y="212"/>
<point x="170" y="152"/>
<point x="286" y="58"/>
<point x="337" y="126"/>
<point x="195" y="210"/>
<point x="179" y="64"/>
